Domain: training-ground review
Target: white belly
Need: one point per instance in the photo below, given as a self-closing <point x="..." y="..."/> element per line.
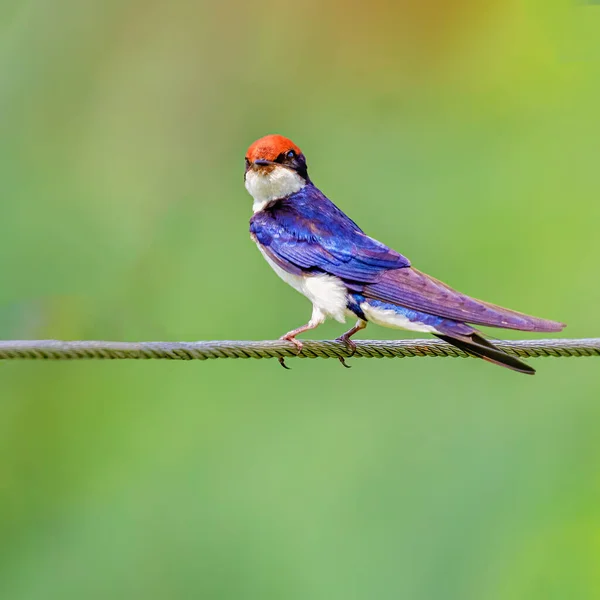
<point x="327" y="293"/>
<point x="389" y="318"/>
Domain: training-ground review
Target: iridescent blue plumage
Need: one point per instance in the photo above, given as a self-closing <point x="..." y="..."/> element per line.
<point x="307" y="233"/>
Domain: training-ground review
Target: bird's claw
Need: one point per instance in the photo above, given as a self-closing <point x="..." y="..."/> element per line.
<point x="351" y="348"/>
<point x="296" y="343"/>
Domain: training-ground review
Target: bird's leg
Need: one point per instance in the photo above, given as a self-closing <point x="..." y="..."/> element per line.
<point x="360" y="324"/>
<point x="316" y="319"/>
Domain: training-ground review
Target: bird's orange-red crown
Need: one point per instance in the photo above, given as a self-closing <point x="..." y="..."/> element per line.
<point x="270" y="147"/>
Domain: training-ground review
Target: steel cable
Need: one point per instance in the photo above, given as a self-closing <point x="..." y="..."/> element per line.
<point x="75" y="350"/>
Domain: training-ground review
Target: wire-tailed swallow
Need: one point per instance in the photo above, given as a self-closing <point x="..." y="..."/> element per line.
<point x="312" y="245"/>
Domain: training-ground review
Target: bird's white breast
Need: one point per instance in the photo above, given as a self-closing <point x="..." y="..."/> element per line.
<point x="326" y="292"/>
<point x="273" y="185"/>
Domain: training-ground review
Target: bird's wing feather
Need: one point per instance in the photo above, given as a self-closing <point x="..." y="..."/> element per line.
<point x="416" y="290"/>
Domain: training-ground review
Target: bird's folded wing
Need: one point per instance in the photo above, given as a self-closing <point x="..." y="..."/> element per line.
<point x="324" y="240"/>
<point x="412" y="289"/>
<point x="323" y="246"/>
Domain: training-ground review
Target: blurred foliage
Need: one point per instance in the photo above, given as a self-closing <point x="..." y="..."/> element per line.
<point x="463" y="134"/>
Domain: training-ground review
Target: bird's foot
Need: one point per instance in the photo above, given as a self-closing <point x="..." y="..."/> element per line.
<point x="299" y="345"/>
<point x="345" y="339"/>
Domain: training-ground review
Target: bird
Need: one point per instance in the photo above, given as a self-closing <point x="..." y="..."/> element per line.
<point x="318" y="250"/>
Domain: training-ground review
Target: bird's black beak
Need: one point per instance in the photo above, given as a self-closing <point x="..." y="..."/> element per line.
<point x="263" y="163"/>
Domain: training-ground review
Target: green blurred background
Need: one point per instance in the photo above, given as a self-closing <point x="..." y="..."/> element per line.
<point x="466" y="136"/>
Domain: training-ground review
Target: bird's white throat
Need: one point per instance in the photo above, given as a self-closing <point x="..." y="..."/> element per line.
<point x="277" y="183"/>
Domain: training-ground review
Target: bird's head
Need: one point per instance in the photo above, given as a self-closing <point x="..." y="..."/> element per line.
<point x="275" y="169"/>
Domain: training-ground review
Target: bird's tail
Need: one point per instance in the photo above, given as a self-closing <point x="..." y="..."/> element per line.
<point x="476" y="345"/>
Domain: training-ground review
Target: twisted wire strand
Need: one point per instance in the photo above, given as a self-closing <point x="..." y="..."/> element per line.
<point x="76" y="350"/>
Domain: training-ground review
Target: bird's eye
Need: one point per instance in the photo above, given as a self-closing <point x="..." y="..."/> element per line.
<point x="291" y="154"/>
